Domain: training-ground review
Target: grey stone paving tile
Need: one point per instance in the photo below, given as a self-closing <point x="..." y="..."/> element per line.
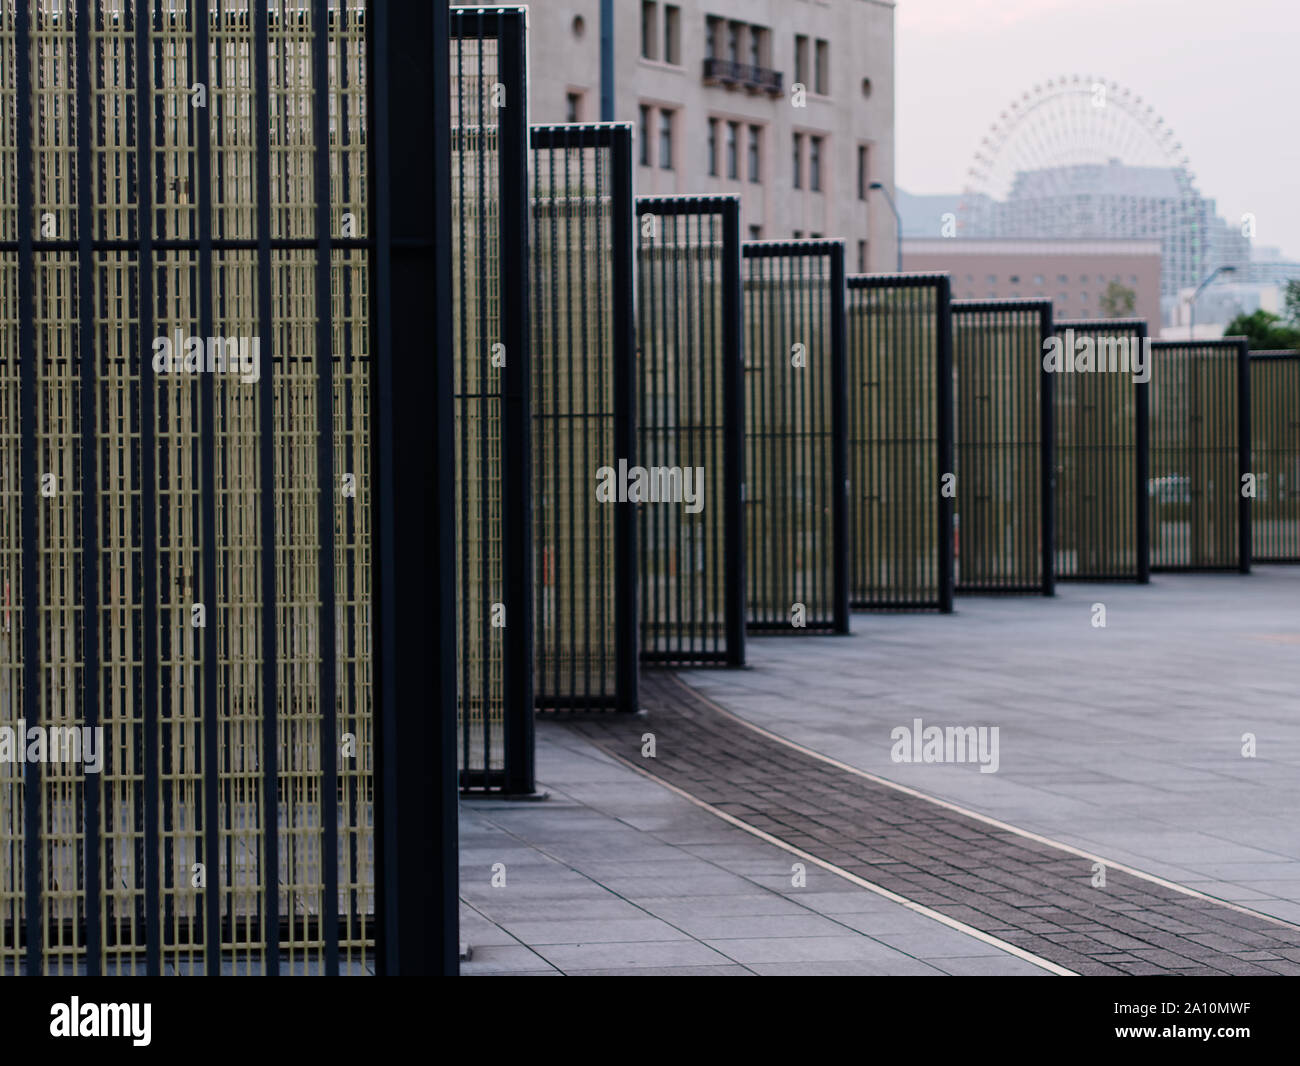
<point x="844" y="948"/>
<point x="903" y="967"/>
<point x="640" y="954"/>
<point x="592" y="931"/>
<point x="501" y="958"/>
<point x="939" y="943"/>
<point x="667" y="971"/>
<point x="594" y="903"/>
<point x="1000" y="965"/>
<point x="747" y="926"/>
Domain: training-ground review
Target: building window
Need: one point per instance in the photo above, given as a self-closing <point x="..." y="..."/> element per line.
<point x="711" y="37"/>
<point x="815" y="164"/>
<point x="1063" y="298"/>
<point x="1083" y="297"/>
<point x="713" y="148"/>
<point x="1015" y="279"/>
<point x="665" y="140"/>
<point x="733" y="151"/>
<point x="1038" y="279"/>
<point x="822" y="71"/>
<point x="801" y="59"/>
<point x="672" y="34"/>
<point x="864" y="172"/>
<point x="862" y="257"/>
<point x="643" y="135"/>
<point x="798" y="235"/>
<point x="1064" y="279"/>
<point x="733" y="41"/>
<point x="755" y="233"/>
<point x="649" y="38"/>
<point x="573" y="107"/>
<point x="798" y="160"/>
<point x="756" y="47"/>
<point x="754" y="174"/>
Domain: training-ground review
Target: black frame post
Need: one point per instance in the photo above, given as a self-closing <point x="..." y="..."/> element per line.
<point x="624" y="330"/>
<point x="840" y="441"/>
<point x="414" y="490"/>
<point x="1244" y="535"/>
<point x="944" y="418"/>
<point x="517" y="447"/>
<point x="733" y="384"/>
<point x="1142" y="405"/>
<point x="1048" y="460"/>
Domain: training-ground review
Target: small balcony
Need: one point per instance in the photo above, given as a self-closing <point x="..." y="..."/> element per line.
<point x="730" y="73"/>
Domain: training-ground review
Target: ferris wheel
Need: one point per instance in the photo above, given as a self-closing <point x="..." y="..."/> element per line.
<point x="1042" y="139"/>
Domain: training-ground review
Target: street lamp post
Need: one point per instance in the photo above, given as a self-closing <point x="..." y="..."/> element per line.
<point x="1191" y="329"/>
<point x="898" y="221"/>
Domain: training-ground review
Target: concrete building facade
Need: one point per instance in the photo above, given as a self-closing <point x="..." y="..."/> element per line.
<point x="1072" y="274"/>
<point x="787" y="103"/>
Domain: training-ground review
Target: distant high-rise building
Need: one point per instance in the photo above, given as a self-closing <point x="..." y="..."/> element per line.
<point x="1115" y="201"/>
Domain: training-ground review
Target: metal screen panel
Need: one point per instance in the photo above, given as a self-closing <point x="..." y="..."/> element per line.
<point x="1275" y="456"/>
<point x="1200" y="449"/>
<point x="489" y="160"/>
<point x="190" y="577"/>
<point x="900" y="441"/>
<point x="796" y="437"/>
<point x="1101" y="453"/>
<point x="1004" y="445"/>
<point x="584" y="403"/>
<point x="689" y="423"/>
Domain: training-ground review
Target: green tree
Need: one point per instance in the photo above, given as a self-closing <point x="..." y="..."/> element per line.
<point x="1265" y="331"/>
<point x="1117" y="301"/>
<point x="1293" y="302"/>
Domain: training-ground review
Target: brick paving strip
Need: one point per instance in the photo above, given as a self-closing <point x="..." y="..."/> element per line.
<point x="1026" y="892"/>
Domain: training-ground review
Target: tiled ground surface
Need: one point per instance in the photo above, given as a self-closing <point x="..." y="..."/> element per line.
<point x="1124" y="741"/>
<point x="614" y="874"/>
<point x="1027" y="893"/>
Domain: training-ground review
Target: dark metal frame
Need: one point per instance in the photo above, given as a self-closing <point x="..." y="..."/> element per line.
<point x="613" y="142"/>
<point x="1139" y="445"/>
<point x="864" y="371"/>
<point x="1047" y="435"/>
<point x="416" y="857"/>
<point x="407" y="690"/>
<point x="508" y="27"/>
<point x="1239" y="347"/>
<point x="832" y="578"/>
<point x="1263" y="546"/>
<point x="714" y="349"/>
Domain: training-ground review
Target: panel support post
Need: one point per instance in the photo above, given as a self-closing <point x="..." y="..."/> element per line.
<point x="413" y="490"/>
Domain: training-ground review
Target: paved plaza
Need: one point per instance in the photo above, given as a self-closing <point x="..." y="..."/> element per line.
<point x="1120" y="746"/>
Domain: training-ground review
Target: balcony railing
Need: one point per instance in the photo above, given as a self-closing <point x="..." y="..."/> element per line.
<point x="729" y="72"/>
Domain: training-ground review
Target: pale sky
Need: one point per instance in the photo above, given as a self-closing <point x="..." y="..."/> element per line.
<point x="1224" y="74"/>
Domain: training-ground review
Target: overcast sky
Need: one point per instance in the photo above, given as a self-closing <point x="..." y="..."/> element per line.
<point x="1224" y="74"/>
